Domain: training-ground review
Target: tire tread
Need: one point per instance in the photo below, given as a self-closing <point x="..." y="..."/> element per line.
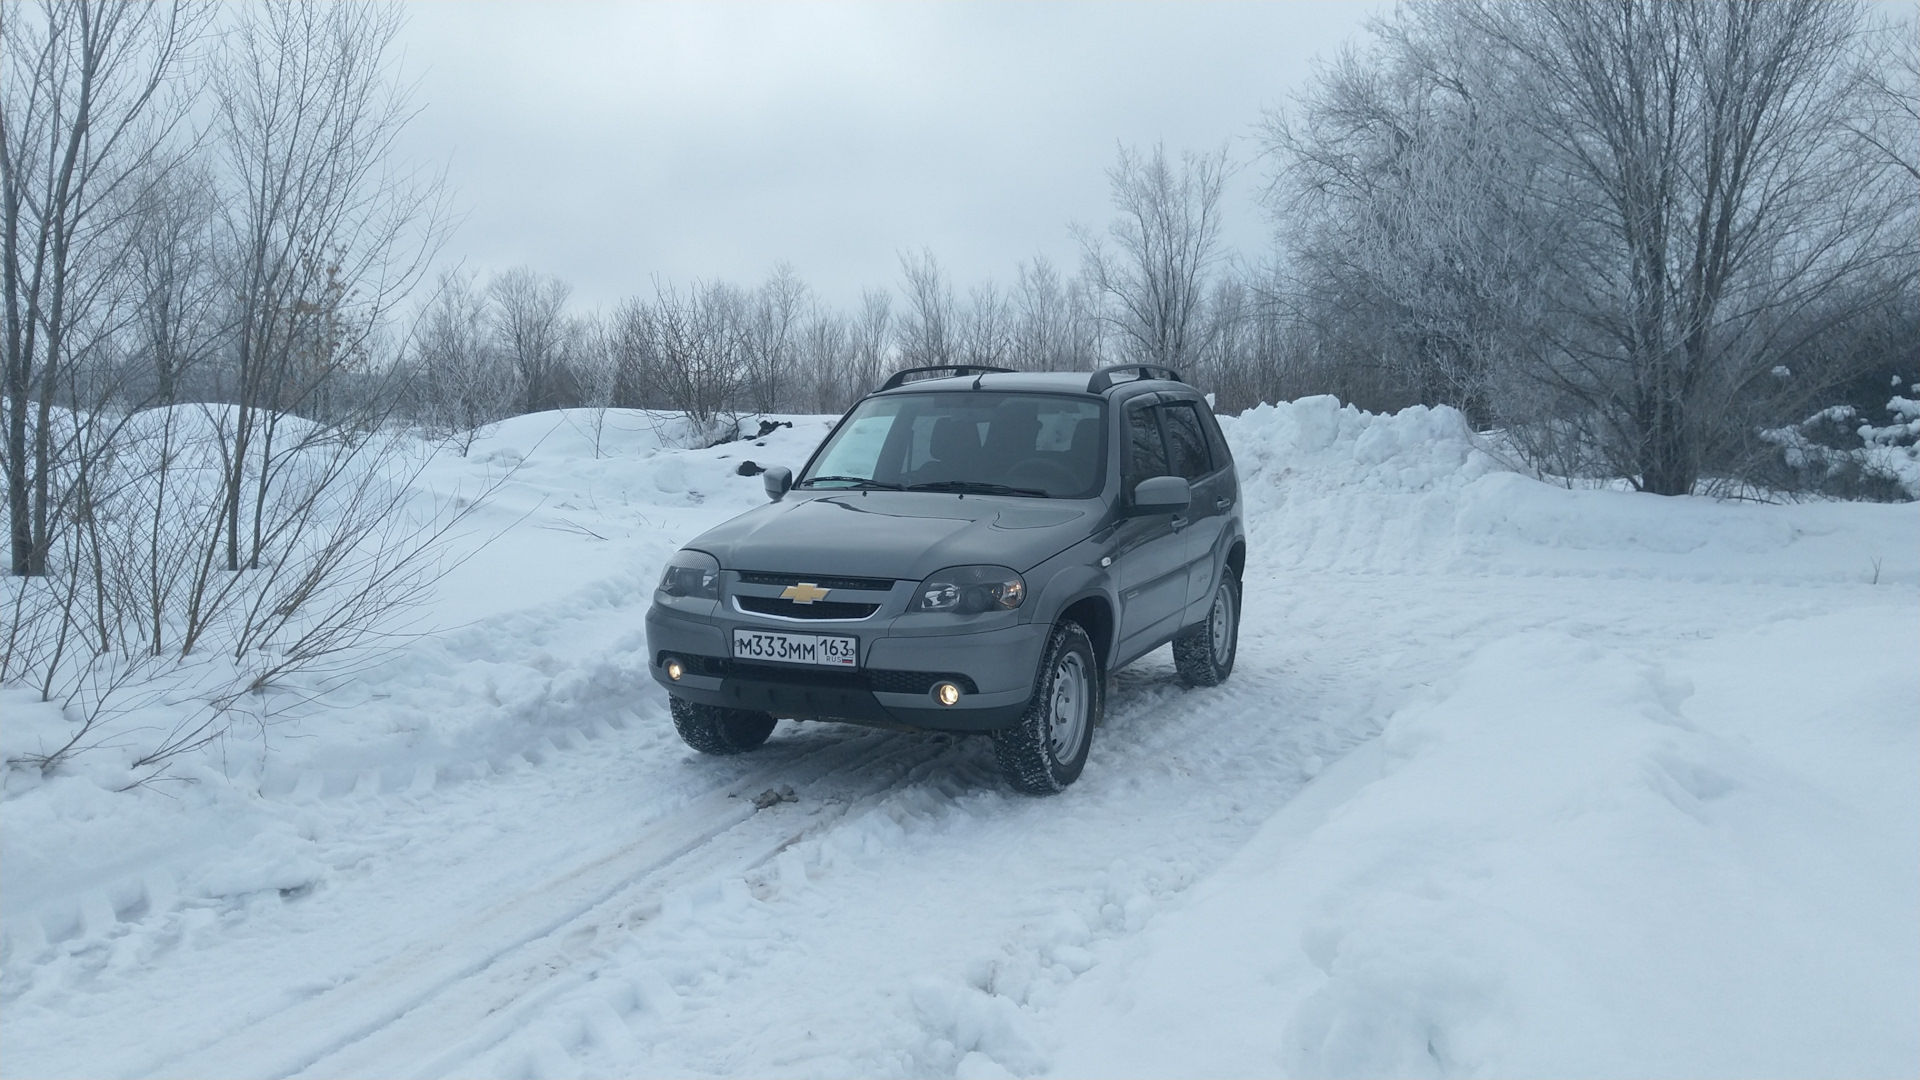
<point x="712" y="729"/>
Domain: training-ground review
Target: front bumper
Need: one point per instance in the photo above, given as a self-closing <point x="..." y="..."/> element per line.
<point x="899" y="666"/>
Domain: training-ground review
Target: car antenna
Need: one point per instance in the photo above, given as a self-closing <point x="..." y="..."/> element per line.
<point x="977" y="378"/>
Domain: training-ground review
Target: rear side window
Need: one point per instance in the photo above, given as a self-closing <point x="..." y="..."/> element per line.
<point x="1216" y="439"/>
<point x="1146" y="454"/>
<point x="1186" y="440"/>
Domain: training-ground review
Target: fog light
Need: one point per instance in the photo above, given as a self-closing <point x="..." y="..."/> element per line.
<point x="946" y="693"/>
<point x="675" y="670"/>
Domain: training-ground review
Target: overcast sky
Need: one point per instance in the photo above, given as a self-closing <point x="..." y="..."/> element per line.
<point x="609" y="143"/>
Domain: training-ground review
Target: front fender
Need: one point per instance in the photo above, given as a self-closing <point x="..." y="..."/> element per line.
<point x="1073" y="581"/>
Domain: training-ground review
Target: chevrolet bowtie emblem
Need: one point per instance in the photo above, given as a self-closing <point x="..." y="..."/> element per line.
<point x="806" y="592"/>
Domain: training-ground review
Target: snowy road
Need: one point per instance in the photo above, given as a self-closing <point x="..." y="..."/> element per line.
<point x="493" y="856"/>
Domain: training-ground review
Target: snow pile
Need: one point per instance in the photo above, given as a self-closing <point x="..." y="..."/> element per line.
<point x="1319" y="444"/>
<point x="1569" y="861"/>
<point x="1331" y="487"/>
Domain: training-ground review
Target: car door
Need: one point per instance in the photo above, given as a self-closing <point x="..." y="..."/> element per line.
<point x="1149" y="552"/>
<point x="1190" y="455"/>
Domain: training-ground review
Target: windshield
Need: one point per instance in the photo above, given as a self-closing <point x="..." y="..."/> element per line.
<point x="969" y="442"/>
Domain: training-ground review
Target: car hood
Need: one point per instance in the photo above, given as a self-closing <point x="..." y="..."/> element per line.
<point x="893" y="534"/>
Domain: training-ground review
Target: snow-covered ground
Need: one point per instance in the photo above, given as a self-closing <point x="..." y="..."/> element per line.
<point x="1510" y="779"/>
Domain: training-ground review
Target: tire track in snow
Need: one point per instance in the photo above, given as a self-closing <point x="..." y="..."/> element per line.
<point x="392" y="1008"/>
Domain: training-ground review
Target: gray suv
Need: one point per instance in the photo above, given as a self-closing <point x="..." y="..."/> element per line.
<point x="972" y="550"/>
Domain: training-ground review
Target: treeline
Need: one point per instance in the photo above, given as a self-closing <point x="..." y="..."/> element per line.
<point x="1156" y="284"/>
<point x="1642" y="241"/>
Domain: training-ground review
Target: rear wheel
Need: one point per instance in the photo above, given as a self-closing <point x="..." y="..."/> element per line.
<point x="712" y="729"/>
<point x="1204" y="654"/>
<point x="1046" y="749"/>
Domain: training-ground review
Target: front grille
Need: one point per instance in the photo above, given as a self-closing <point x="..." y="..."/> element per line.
<point x="796" y="675"/>
<point x="861" y="584"/>
<point x="819" y="609"/>
<point x="887" y="682"/>
<point x="915" y="682"/>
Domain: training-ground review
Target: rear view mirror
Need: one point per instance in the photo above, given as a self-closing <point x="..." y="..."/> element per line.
<point x="779" y="480"/>
<point x="1161" y="495"/>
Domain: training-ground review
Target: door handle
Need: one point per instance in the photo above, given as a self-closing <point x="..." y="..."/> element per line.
<point x="1179" y="523"/>
<point x="1222" y="503"/>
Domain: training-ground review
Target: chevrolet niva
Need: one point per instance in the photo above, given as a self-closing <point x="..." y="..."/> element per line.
<point x="969" y="550"/>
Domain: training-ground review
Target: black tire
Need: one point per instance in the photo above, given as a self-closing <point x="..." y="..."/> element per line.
<point x="1204" y="654"/>
<point x="711" y="729"/>
<point x="1046" y="749"/>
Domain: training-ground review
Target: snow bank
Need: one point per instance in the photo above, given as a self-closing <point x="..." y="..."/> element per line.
<point x="1318" y="444"/>
<point x="1568" y="861"/>
<point x="1330" y="487"/>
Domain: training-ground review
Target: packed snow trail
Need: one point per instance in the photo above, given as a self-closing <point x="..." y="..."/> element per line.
<point x="492" y="856"/>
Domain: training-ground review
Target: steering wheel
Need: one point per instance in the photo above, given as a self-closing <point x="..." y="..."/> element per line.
<point x="1048" y="473"/>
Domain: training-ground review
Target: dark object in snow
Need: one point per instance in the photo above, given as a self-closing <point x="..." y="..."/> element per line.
<point x="965" y="556"/>
<point x="748" y="468"/>
<point x="771" y="797"/>
<point x="768" y="427"/>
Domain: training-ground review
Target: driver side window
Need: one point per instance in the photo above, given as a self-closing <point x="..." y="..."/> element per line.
<point x="1146" y="452"/>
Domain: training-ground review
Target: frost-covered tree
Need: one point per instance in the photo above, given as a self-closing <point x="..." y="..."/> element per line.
<point x="1599" y="220"/>
<point x="1165" y="241"/>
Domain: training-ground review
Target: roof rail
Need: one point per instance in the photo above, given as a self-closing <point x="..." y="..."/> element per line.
<point x="899" y="378"/>
<point x="1103" y="378"/>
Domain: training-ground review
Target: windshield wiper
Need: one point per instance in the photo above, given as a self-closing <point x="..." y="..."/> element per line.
<point x="856" y="481"/>
<point x="977" y="487"/>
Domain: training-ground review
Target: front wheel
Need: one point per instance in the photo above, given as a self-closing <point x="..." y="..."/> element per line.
<point x="1046" y="748"/>
<point x="712" y="729"/>
<point x="1204" y="654"/>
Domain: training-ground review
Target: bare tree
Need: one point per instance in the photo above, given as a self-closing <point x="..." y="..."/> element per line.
<point x="596" y="373"/>
<point x="1693" y="154"/>
<point x="528" y="314"/>
<point x="986" y="327"/>
<point x="825" y="356"/>
<point x="460" y="383"/>
<point x="873" y="341"/>
<point x="84" y="114"/>
<point x="1887" y="94"/>
<point x="1395" y="191"/>
<point x="770" y="337"/>
<point x="174" y="287"/>
<point x="325" y="234"/>
<point x="927" y="333"/>
<point x="1167" y="236"/>
<point x="695" y="341"/>
<point x="1041" y="331"/>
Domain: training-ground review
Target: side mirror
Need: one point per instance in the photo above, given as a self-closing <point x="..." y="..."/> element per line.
<point x="779" y="481"/>
<point x="1161" y="495"/>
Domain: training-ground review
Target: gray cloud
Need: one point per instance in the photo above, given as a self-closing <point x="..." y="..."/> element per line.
<point x="609" y="143"/>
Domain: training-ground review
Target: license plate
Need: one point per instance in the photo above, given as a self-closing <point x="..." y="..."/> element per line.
<point x="828" y="650"/>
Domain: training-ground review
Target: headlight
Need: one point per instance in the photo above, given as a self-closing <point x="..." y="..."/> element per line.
<point x="969" y="590"/>
<point x="692" y="573"/>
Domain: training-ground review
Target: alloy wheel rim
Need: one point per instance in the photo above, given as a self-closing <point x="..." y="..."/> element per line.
<point x="1067" y="716"/>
